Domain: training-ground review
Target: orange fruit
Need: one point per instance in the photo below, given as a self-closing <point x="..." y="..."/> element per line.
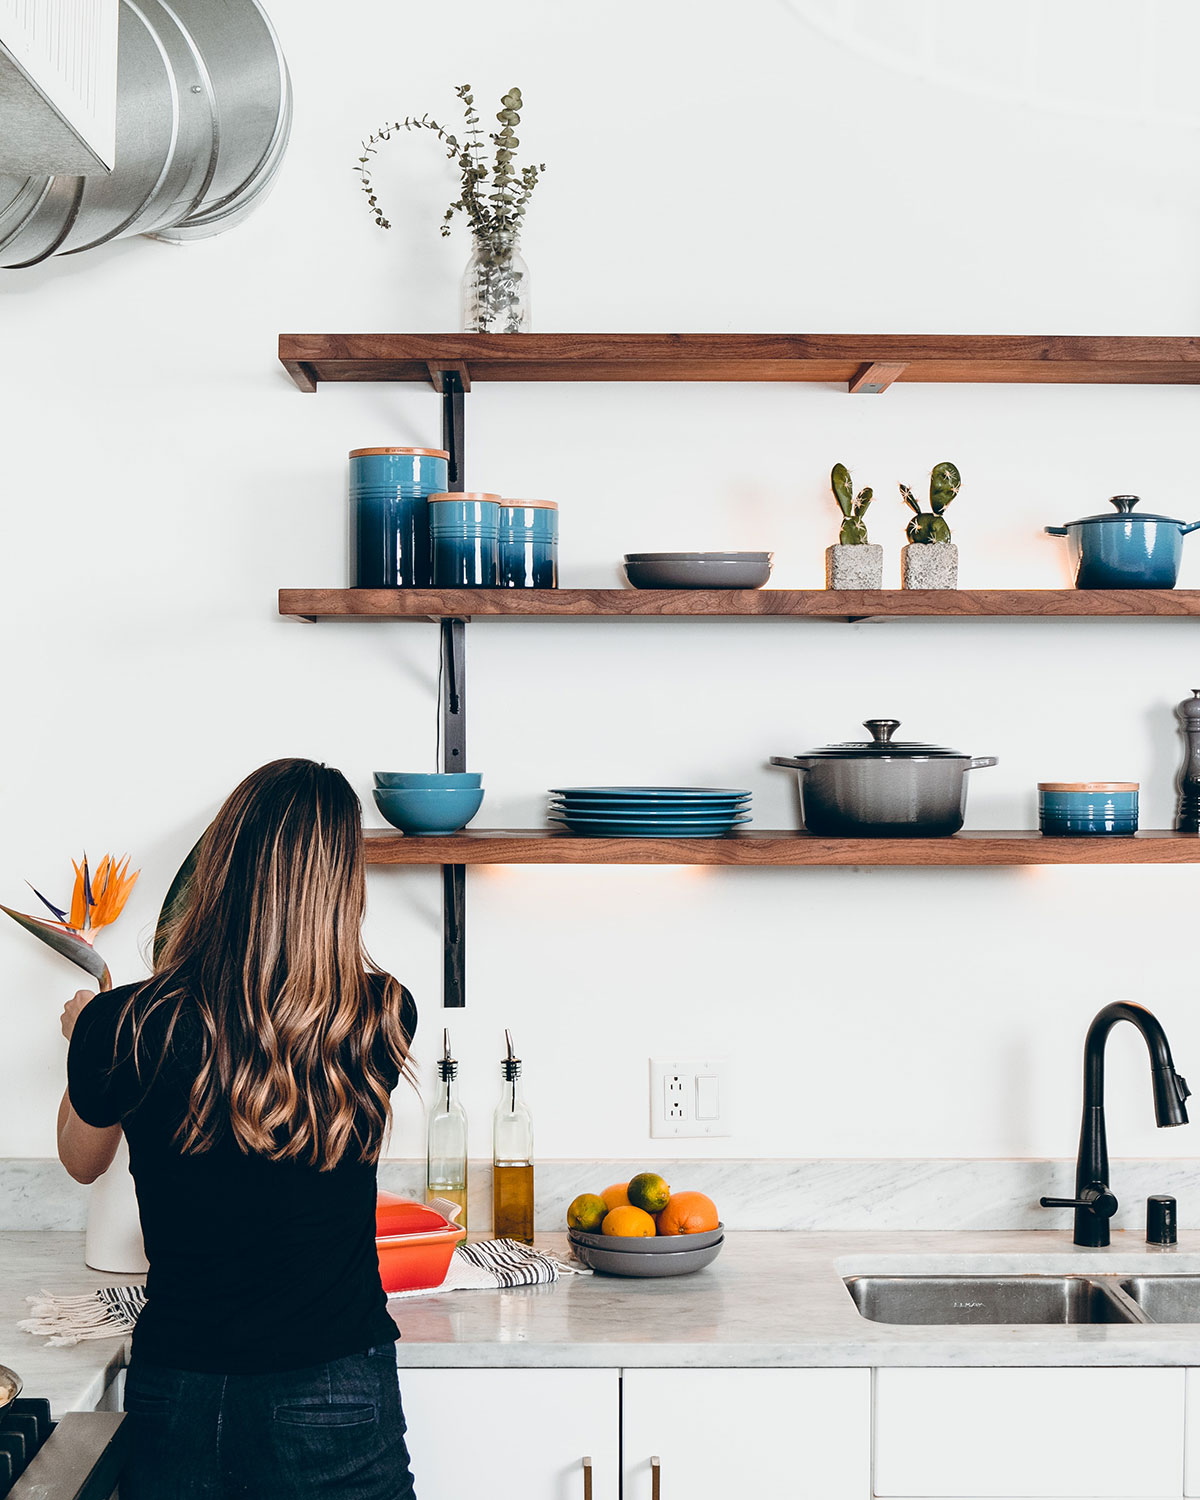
<point x="647" y="1190"/>
<point x="616" y="1196"/>
<point x="628" y="1223"/>
<point x="687" y="1213"/>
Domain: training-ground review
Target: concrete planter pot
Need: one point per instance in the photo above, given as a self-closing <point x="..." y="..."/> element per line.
<point x="854" y="567"/>
<point x="929" y="565"/>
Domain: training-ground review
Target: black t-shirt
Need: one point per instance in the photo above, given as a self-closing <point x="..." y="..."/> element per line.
<point x="255" y="1265"/>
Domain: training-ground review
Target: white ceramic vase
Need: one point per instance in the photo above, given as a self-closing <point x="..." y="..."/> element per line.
<point x="114" y="1230"/>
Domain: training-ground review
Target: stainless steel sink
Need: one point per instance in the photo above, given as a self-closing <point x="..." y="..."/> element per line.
<point x="1166" y="1299"/>
<point x="996" y="1299"/>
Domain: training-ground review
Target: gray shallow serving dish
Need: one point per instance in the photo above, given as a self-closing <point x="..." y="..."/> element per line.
<point x="631" y="1263"/>
<point x="698" y="570"/>
<point x="659" y="1244"/>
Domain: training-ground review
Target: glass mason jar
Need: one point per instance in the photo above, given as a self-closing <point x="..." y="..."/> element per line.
<point x="495" y="287"/>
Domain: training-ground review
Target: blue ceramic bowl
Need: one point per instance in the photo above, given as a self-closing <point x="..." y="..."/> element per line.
<point x="1088" y="807"/>
<point x="420" y="810"/>
<point x="401" y="780"/>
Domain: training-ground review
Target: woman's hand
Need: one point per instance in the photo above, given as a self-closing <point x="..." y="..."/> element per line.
<point x="72" y="1008"/>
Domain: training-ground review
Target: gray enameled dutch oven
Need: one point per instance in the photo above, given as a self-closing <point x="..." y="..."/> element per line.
<point x="884" y="788"/>
<point x="1119" y="550"/>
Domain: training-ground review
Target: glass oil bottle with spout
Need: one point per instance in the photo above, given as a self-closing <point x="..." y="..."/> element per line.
<point x="446" y="1138"/>
<point x="512" y="1156"/>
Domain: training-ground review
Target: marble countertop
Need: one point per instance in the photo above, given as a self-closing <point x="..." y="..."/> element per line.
<point x="778" y="1299"/>
<point x="769" y="1299"/>
<point x="52" y="1260"/>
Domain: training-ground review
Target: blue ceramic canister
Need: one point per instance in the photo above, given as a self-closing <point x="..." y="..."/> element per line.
<point x="1084" y="807"/>
<point x="389" y="508"/>
<point x="528" y="546"/>
<point x="464" y="530"/>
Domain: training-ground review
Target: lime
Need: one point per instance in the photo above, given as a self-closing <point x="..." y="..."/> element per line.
<point x="648" y="1191"/>
<point x="587" y="1213"/>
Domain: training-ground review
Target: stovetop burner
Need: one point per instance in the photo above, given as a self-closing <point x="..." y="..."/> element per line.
<point x="24" y="1426"/>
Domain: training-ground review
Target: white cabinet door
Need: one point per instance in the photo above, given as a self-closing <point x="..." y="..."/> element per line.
<point x="774" y="1434"/>
<point x="1090" y="1433"/>
<point x="1191" y="1433"/>
<point x="512" y="1434"/>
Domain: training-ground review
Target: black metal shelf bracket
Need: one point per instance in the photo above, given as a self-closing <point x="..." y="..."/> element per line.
<point x="453" y="711"/>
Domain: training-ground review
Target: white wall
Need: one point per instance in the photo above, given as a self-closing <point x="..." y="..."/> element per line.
<point x="774" y="165"/>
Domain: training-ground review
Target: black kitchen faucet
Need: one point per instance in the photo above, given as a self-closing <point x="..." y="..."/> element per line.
<point x="1094" y="1203"/>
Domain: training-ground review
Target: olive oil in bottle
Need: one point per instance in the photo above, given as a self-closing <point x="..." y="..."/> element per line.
<point x="446" y="1138"/>
<point x="512" y="1156"/>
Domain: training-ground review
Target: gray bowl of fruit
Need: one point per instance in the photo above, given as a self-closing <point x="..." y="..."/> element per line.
<point x="641" y="1228"/>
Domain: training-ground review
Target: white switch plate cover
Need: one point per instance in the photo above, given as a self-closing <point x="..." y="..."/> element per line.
<point x="678" y="1100"/>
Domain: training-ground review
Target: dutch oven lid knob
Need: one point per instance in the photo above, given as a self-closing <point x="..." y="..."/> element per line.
<point x="881" y="729"/>
<point x="1124" y="503"/>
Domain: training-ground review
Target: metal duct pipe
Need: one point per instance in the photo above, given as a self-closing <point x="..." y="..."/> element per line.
<point x="204" y="109"/>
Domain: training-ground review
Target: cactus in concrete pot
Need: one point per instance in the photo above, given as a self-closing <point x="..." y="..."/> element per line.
<point x="927" y="527"/>
<point x="855" y="562"/>
<point x="930" y="561"/>
<point x="853" y="507"/>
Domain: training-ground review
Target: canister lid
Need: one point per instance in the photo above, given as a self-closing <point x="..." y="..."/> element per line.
<point x="532" y="504"/>
<point x="421" y="452"/>
<point x="1122" y="513"/>
<point x="464" y="495"/>
<point x="883" y="744"/>
<point x="1088" y="786"/>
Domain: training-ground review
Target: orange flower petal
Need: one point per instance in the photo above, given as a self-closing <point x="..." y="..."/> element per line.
<point x="112" y="896"/>
<point x="78" y="913"/>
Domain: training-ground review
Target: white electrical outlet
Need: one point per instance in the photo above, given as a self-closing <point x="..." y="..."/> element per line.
<point x="690" y="1097"/>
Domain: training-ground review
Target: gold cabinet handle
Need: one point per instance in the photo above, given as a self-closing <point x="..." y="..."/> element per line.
<point x="587" y="1479"/>
<point x="656" y="1478"/>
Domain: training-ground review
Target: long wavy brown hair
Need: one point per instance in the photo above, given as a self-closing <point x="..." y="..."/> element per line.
<point x="300" y="1031"/>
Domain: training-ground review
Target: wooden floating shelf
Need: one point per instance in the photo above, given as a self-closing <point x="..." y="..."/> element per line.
<point x="806" y="604"/>
<point x="771" y="847"/>
<point x="863" y="363"/>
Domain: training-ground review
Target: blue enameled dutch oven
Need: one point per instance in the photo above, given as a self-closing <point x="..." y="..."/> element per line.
<point x="1119" y="550"/>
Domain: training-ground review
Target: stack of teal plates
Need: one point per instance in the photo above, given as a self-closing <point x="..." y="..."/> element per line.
<point x="652" y="812"/>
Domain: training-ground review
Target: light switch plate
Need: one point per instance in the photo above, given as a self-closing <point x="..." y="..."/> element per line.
<point x="690" y="1097"/>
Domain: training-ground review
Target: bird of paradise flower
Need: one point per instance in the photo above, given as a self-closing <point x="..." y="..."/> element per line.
<point x="96" y="902"/>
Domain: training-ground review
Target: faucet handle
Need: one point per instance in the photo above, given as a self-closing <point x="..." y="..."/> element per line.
<point x="1097" y="1201"/>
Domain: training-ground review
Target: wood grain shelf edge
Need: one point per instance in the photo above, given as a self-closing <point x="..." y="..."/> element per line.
<point x="833" y="358"/>
<point x="813" y="604"/>
<point x="779" y="847"/>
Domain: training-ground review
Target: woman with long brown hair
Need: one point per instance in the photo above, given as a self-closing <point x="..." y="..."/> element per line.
<point x="252" y="1076"/>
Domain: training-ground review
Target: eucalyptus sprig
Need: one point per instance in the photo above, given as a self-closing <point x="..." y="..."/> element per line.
<point x="493" y="196"/>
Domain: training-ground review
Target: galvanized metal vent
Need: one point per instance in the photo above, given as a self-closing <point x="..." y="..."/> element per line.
<point x="203" y="114"/>
<point x="58" y="85"/>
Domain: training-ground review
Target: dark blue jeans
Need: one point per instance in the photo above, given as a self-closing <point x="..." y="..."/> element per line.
<point x="332" y="1430"/>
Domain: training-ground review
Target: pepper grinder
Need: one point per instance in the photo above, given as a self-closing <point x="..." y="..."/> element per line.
<point x="1189" y="781"/>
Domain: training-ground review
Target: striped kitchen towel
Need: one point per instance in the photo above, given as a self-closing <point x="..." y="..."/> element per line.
<point x="489" y="1264"/>
<point x="111" y="1311"/>
<point x="105" y="1313"/>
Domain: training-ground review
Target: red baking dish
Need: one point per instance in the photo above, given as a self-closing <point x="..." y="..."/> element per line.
<point x="414" y="1243"/>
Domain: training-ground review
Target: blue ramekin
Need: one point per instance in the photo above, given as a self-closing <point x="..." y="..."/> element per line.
<point x="1088" y="807"/>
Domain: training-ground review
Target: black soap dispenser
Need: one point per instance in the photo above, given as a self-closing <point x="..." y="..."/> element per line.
<point x="1162" y="1220"/>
